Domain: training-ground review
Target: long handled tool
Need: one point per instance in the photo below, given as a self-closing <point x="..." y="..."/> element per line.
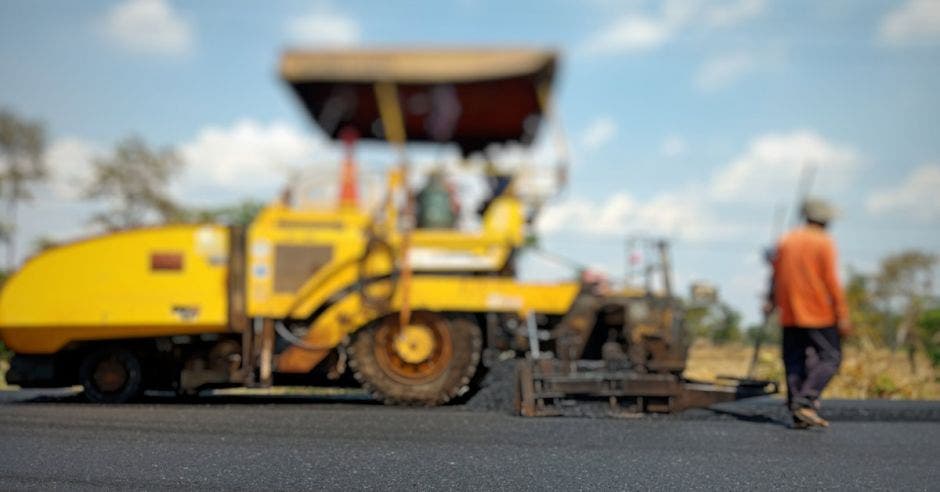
<point x="807" y="175"/>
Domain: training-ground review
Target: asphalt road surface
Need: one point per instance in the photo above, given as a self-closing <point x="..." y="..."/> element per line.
<point x="232" y="444"/>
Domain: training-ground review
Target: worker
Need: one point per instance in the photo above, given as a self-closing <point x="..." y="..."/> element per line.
<point x="812" y="311"/>
<point x="437" y="206"/>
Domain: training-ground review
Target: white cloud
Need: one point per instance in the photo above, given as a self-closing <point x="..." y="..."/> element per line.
<point x="773" y="162"/>
<point x="915" y="197"/>
<point x="679" y="215"/>
<point x="222" y="163"/>
<point x="248" y="158"/>
<point x="915" y="21"/>
<point x="69" y="160"/>
<point x="673" y="146"/>
<point x="630" y="34"/>
<point x="769" y="166"/>
<point x="324" y="27"/>
<point x="148" y="26"/>
<point x="606" y="217"/>
<point x="600" y="131"/>
<point x="636" y="32"/>
<point x="721" y="71"/>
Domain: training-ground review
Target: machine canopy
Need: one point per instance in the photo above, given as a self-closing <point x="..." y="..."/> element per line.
<point x="470" y="97"/>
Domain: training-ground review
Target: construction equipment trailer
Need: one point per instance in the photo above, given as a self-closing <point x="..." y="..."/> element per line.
<point x="349" y="290"/>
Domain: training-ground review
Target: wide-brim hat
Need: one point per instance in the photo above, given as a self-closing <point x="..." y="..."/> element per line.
<point x="818" y="210"/>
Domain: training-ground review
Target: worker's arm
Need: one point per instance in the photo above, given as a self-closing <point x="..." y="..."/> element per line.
<point x="770" y="301"/>
<point x="831" y="278"/>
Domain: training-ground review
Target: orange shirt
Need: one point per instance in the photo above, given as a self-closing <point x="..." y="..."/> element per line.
<point x="806" y="286"/>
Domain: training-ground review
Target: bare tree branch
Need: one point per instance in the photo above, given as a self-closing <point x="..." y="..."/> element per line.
<point x="135" y="179"/>
<point x="22" y="155"/>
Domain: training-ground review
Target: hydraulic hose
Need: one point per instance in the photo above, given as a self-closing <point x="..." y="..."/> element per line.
<point x="296" y="341"/>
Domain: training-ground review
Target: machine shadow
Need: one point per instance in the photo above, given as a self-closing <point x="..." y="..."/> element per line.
<point x="757" y="418"/>
<point x="352" y="399"/>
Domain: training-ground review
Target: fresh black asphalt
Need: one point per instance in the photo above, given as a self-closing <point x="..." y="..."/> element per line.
<point x="252" y="444"/>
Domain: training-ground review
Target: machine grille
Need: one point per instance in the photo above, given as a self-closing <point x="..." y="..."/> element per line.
<point x="294" y="264"/>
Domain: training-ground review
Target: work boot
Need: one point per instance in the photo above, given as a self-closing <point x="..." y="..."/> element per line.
<point x="799" y="425"/>
<point x="808" y="416"/>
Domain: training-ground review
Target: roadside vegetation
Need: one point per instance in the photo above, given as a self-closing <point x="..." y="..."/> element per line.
<point x="894" y="352"/>
<point x="865" y="372"/>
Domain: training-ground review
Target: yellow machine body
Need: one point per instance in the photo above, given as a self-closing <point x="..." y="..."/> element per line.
<point x="300" y="264"/>
<point x="298" y="252"/>
<point x="148" y="282"/>
<point x="316" y="264"/>
<point x="428" y="293"/>
<point x="297" y="259"/>
<point x="319" y="274"/>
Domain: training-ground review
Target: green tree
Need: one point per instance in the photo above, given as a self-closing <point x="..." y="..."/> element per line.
<point x="903" y="286"/>
<point x="135" y="178"/>
<point x="869" y="320"/>
<point x="770" y="334"/>
<point x="716" y="321"/>
<point x="22" y="155"/>
<point x="892" y="306"/>
<point x="43" y="243"/>
<point x="930" y="331"/>
<point x="239" y="214"/>
<point x="695" y="320"/>
<point x="728" y="326"/>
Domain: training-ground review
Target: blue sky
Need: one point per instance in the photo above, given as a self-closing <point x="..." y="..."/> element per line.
<point x="688" y="120"/>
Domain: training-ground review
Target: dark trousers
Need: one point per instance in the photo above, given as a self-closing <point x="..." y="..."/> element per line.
<point x="811" y="357"/>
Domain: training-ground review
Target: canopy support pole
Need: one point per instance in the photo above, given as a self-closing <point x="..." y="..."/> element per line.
<point x="393" y="125"/>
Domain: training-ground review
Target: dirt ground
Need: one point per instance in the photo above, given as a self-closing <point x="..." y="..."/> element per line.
<point x="865" y="372"/>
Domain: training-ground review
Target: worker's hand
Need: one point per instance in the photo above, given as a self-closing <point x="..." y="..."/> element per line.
<point x="768" y="308"/>
<point x="845" y="327"/>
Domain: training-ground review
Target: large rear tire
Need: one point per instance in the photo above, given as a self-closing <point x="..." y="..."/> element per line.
<point x="430" y="362"/>
<point x="111" y="375"/>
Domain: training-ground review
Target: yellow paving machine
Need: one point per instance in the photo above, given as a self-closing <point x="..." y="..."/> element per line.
<point x="357" y="290"/>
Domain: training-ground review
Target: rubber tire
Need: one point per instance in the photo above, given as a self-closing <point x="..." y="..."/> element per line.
<point x="131" y="389"/>
<point x="454" y="381"/>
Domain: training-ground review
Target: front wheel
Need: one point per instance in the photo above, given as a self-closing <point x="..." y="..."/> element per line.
<point x="111" y="375"/>
<point x="429" y="362"/>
